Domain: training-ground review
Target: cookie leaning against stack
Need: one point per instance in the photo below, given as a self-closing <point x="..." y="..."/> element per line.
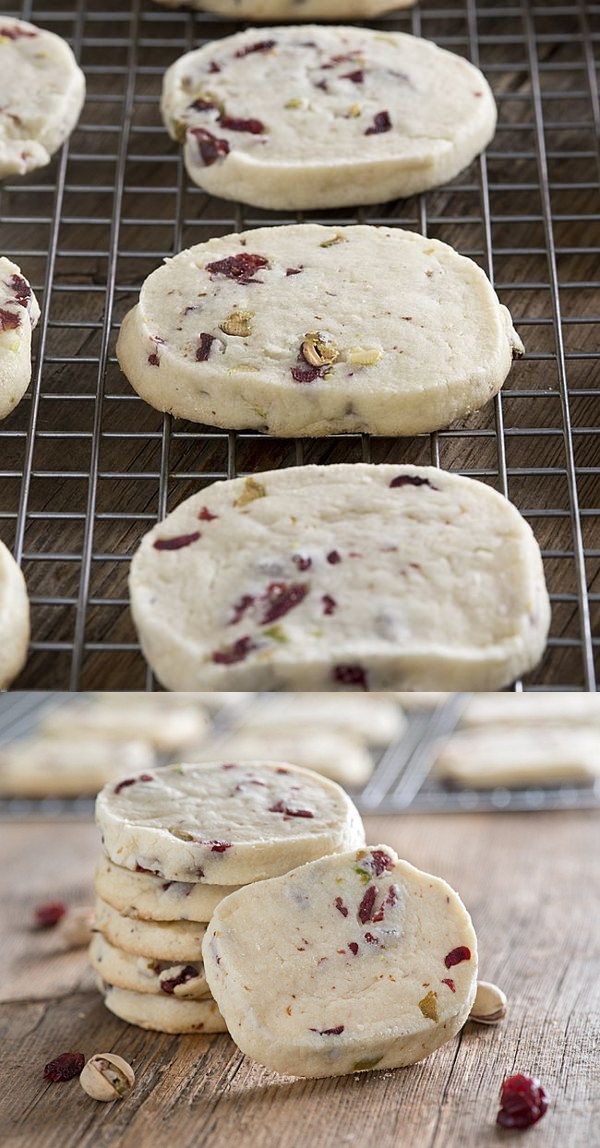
<point x="177" y="841"/>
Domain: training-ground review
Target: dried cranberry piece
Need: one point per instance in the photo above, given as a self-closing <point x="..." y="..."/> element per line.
<point x="379" y="862"/>
<point x="239" y="267"/>
<point x="365" y="909"/>
<point x="351" y="676"/>
<point x="370" y="939"/>
<point x="334" y="557"/>
<point x="214" y="67"/>
<point x="234" y="124"/>
<point x="16" y="33"/>
<point x="140" y="869"/>
<point x="523" y="1102"/>
<point x="218" y="846"/>
<point x="381" y="123"/>
<point x="206" y="516"/>
<point x="202" y="105"/>
<point x="280" y="807"/>
<point x="282" y="597"/>
<point x="329" y="604"/>
<point x="204" y="346"/>
<point x="329" y="1031"/>
<point x="211" y="147"/>
<point x="153" y="359"/>
<point x="353" y="947"/>
<point x="357" y="77"/>
<point x="305" y="374"/>
<point x="238" y="652"/>
<point x="178" y="542"/>
<point x="240" y="607"/>
<point x="9" y="320"/>
<point x="339" y="904"/>
<point x="20" y="289"/>
<point x="186" y="974"/>
<point x="64" y="1067"/>
<point x="123" y="784"/>
<point x="294" y="270"/>
<point x="260" y="46"/>
<point x="457" y="956"/>
<point x="411" y="480"/>
<point x="49" y="914"/>
<point x="448" y="981"/>
<point x="390" y="900"/>
<point x="301" y="562"/>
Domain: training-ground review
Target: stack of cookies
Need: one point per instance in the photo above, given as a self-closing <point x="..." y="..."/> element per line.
<point x="176" y="842"/>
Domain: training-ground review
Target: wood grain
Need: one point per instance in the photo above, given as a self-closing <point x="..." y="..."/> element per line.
<point x="532" y="884"/>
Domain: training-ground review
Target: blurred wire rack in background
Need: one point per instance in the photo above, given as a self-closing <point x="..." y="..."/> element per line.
<point x="86" y="467"/>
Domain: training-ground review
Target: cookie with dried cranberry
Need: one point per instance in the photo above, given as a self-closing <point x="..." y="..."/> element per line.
<point x="42" y="90"/>
<point x="310" y="330"/>
<point x="162" y="940"/>
<point x="375" y="965"/>
<point x="302" y="118"/>
<point x="14" y="618"/>
<point x="162" y="1013"/>
<point x="149" y="896"/>
<point x="19" y="313"/>
<point x="224" y="823"/>
<point x="293" y="9"/>
<point x="348" y="576"/>
<point x="185" y="981"/>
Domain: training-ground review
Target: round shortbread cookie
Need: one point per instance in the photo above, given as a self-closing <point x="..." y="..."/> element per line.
<point x="349" y="963"/>
<point x="372" y="718"/>
<point x="173" y="941"/>
<point x="169" y="730"/>
<point x="52" y="767"/>
<point x="162" y="1013"/>
<point x="145" y="974"/>
<point x="225" y="824"/>
<point x="42" y="90"/>
<point x="14" y="618"/>
<point x="543" y="755"/>
<point x="19" y="313"/>
<point x="576" y="709"/>
<point x="149" y="897"/>
<point x="292" y="9"/>
<point x="301" y="118"/>
<point x="309" y="330"/>
<point x="339" y="577"/>
<point x="329" y="752"/>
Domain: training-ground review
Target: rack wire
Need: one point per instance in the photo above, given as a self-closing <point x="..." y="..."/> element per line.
<point x="86" y="468"/>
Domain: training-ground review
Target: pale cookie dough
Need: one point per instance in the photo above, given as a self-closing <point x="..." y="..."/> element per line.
<point x="146" y="974"/>
<point x="150" y="897"/>
<point x="14" y="618"/>
<point x="516" y="758"/>
<point x="416" y="700"/>
<point x="373" y="718"/>
<point x="309" y="330"/>
<point x="350" y="963"/>
<point x="162" y="940"/>
<point x="226" y="824"/>
<point x="292" y="9"/>
<point x="339" y="577"/>
<point x="42" y="90"/>
<point x="53" y="767"/>
<point x="330" y="752"/>
<point x="162" y="1013"/>
<point x="532" y="709"/>
<point x="301" y="118"/>
<point x="167" y="731"/>
<point x="19" y="313"/>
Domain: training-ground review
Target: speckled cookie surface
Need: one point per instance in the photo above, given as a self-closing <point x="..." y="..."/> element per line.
<point x="146" y="974"/>
<point x="163" y="1013"/>
<point x="306" y="330"/>
<point x="14" y="618"/>
<point x="150" y="897"/>
<point x="161" y="940"/>
<point x="19" y="313"/>
<point x="341" y="577"/>
<point x="57" y="767"/>
<point x="42" y="90"/>
<point x="292" y="9"/>
<point x="349" y="963"/>
<point x="225" y="824"/>
<point x="305" y="117"/>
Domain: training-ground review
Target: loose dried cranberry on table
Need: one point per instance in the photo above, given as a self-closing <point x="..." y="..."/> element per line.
<point x="64" y="1067"/>
<point x="411" y="480"/>
<point x="260" y="46"/>
<point x="381" y="123"/>
<point x="238" y="652"/>
<point x="187" y="974"/>
<point x="20" y="289"/>
<point x="48" y="915"/>
<point x="9" y="320"/>
<point x="211" y="147"/>
<point x="235" y="124"/>
<point x="522" y="1102"/>
<point x="349" y="675"/>
<point x="240" y="267"/>
<point x="457" y="956"/>
<point x="281" y="598"/>
<point x="178" y="542"/>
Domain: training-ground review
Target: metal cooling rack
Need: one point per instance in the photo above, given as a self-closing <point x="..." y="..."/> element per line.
<point x="86" y="467"/>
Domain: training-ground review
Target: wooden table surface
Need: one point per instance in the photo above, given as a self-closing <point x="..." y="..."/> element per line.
<point x="532" y="884"/>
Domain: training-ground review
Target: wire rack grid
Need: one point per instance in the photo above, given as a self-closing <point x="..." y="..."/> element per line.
<point x="86" y="467"/>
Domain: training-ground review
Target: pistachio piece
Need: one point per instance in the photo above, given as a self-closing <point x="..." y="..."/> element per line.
<point x="334" y="239"/>
<point x="364" y="356"/>
<point x="252" y="489"/>
<point x="238" y="323"/>
<point x="490" y="1005"/>
<point x="354" y="111"/>
<point x="75" y="928"/>
<point x="296" y="102"/>
<point x="318" y="349"/>
<point x="107" y="1077"/>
